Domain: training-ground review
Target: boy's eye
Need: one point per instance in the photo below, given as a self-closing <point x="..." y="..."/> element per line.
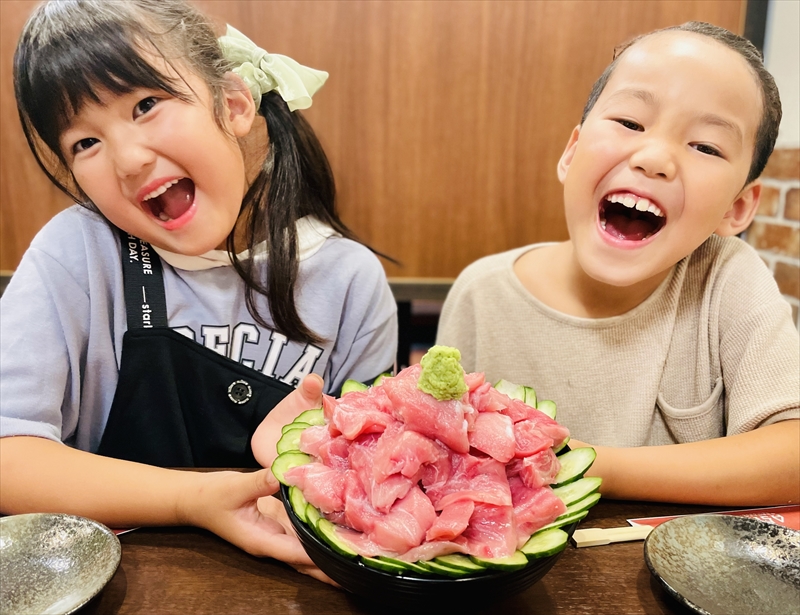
<point x="707" y="149"/>
<point x="144" y="105"/>
<point x="630" y="125"/>
<point x="83" y="145"/>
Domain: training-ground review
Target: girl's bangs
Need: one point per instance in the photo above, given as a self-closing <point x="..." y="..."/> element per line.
<point x="55" y="78"/>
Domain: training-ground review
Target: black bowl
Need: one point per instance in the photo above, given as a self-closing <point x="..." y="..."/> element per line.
<point x="408" y="592"/>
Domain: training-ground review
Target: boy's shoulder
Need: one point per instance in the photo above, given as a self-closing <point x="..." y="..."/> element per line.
<point x="494" y="266"/>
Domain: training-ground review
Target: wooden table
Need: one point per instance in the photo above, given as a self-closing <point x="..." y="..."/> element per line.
<point x="191" y="571"/>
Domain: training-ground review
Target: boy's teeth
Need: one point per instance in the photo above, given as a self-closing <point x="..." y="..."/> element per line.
<point x="164" y="217"/>
<point x="633" y="202"/>
<point x="161" y="189"/>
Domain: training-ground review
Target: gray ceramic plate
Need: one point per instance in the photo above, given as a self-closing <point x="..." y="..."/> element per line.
<point x="53" y="563"/>
<point x="726" y="565"/>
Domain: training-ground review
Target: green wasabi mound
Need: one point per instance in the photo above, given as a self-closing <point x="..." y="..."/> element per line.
<point x="442" y="375"/>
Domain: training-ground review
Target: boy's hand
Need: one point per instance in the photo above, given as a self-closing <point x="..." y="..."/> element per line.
<point x="305" y="397"/>
<point x="238" y="507"/>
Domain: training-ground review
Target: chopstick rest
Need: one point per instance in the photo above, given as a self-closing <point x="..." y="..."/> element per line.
<point x="595" y="536"/>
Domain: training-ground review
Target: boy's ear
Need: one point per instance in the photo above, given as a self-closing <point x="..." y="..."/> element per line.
<point x="240" y="109"/>
<point x="742" y="211"/>
<point x="569" y="152"/>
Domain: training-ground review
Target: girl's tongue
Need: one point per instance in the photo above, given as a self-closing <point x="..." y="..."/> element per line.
<point x="174" y="202"/>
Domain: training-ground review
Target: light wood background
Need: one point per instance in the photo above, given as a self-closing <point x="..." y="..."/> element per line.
<point x="443" y="120"/>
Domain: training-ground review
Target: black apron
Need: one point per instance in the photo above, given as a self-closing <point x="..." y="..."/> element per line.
<point x="178" y="403"/>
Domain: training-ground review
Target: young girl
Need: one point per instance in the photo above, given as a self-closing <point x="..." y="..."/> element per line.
<point x="164" y="318"/>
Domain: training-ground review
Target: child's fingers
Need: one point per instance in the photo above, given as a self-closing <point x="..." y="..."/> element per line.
<point x="312" y="388"/>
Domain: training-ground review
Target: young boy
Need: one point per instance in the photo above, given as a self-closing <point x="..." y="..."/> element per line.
<point x="655" y="329"/>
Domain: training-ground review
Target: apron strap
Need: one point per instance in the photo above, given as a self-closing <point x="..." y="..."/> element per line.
<point x="143" y="280"/>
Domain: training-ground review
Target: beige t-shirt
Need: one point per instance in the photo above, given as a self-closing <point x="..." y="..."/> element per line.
<point x="712" y="352"/>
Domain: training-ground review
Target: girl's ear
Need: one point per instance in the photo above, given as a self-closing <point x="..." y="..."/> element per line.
<point x="240" y="109"/>
<point x="742" y="211"/>
<point x="569" y="152"/>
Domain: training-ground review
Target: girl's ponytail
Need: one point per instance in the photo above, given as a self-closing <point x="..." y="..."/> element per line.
<point x="295" y="181"/>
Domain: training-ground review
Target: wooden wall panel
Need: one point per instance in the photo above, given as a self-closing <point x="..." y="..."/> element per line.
<point x="443" y="121"/>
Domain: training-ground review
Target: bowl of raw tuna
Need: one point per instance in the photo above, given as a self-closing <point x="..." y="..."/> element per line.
<point x="434" y="490"/>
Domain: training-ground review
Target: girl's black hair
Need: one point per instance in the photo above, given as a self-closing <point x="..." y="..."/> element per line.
<point x="71" y="50"/>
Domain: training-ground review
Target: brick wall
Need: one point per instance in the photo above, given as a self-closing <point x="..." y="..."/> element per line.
<point x="775" y="231"/>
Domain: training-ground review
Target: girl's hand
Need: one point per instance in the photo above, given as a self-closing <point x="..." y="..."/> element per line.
<point x="238" y="507"/>
<point x="305" y="397"/>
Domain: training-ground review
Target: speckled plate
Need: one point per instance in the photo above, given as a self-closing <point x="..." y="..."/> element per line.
<point x="53" y="563"/>
<point x="721" y="564"/>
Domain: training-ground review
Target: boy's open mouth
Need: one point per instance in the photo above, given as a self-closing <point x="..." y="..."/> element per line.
<point x="629" y="217"/>
<point x="171" y="200"/>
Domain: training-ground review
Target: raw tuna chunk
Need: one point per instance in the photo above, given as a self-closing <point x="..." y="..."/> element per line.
<point x="404" y="451"/>
<point x="539" y="469"/>
<point x="380" y="494"/>
<point x="312" y="438"/>
<point x="359" y="513"/>
<point x="533" y="508"/>
<point x="406" y="524"/>
<point x="444" y="420"/>
<point x="322" y="486"/>
<point x="491" y="532"/>
<point x="486" y="398"/>
<point x="530" y="439"/>
<point x="453" y="520"/>
<point x="359" y="413"/>
<point x="493" y="434"/>
<point x="473" y="478"/>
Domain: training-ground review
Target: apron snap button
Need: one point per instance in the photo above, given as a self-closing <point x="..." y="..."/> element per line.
<point x="239" y="392"/>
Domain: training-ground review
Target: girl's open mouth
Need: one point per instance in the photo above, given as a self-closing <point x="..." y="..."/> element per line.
<point x="171" y="200"/>
<point x="626" y="216"/>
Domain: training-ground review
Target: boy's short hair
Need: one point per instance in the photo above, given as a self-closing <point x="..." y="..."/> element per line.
<point x="767" y="131"/>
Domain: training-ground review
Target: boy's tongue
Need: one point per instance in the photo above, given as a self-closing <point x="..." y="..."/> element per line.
<point x="175" y="201"/>
<point x="623" y="227"/>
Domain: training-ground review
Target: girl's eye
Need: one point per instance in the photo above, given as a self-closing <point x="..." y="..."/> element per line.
<point x="630" y="125"/>
<point x="83" y="145"/>
<point x="144" y="105"/>
<point x="707" y="149"/>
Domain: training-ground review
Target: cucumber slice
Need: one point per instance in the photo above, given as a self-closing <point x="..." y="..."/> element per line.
<point x="290" y="441"/>
<point x="514" y="391"/>
<point x="584" y="504"/>
<point x="574" y="465"/>
<point x="515" y="561"/>
<point x="559" y="447"/>
<point x="353" y="385"/>
<point x="530" y="397"/>
<point x="289" y="459"/>
<point x="327" y="531"/>
<point x="409" y="566"/>
<point x="460" y="562"/>
<point x="379" y="379"/>
<point x="564" y="520"/>
<point x="437" y="568"/>
<point x="548" y="407"/>
<point x="577" y="490"/>
<point x="383" y="565"/>
<point x="546" y="543"/>
<point x="312" y="417"/>
<point x="294" y="425"/>
<point x="298" y="503"/>
<point x="313" y="516"/>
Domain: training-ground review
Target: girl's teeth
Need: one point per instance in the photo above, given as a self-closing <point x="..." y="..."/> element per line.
<point x="642" y="204"/>
<point x="164" y="217"/>
<point x="161" y="189"/>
